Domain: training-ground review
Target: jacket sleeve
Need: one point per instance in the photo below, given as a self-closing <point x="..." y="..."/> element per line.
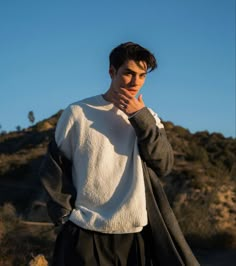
<point x="55" y="175"/>
<point x="154" y="146"/>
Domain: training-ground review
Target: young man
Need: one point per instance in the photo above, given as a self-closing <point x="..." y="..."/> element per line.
<point x="101" y="175"/>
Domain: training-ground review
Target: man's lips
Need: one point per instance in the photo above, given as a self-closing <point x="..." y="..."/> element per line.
<point x="133" y="91"/>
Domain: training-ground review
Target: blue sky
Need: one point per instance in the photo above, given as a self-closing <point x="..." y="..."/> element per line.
<point x="53" y="53"/>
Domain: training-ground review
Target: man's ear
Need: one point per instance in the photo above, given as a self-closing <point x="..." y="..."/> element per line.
<point x="112" y="71"/>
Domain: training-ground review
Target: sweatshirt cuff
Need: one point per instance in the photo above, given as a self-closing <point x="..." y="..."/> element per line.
<point x="142" y="119"/>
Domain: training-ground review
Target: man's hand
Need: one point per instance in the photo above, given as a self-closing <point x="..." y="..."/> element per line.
<point x="125" y="101"/>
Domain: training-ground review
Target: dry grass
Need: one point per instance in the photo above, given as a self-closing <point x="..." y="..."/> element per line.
<point x="22" y="243"/>
<point x="39" y="260"/>
<point x="201" y="223"/>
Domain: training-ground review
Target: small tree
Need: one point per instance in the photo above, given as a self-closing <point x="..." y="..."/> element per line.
<point x="31" y="117"/>
<point x="18" y="128"/>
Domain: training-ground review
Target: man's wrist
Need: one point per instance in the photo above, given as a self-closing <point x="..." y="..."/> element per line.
<point x="133" y="114"/>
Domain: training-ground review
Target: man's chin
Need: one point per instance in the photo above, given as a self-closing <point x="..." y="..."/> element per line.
<point x="133" y="93"/>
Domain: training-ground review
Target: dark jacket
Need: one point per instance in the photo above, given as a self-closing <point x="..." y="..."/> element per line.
<point x="157" y="157"/>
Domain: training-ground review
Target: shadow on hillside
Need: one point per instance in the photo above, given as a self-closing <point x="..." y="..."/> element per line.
<point x="21" y="185"/>
<point x="218" y="240"/>
<point x="21" y="198"/>
<point x="18" y="173"/>
<point x="24" y="140"/>
<point x="216" y="257"/>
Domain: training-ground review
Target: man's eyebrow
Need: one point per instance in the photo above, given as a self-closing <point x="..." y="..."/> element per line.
<point x="133" y="72"/>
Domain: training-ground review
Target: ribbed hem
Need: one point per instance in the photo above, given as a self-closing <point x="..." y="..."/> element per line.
<point x="107" y="228"/>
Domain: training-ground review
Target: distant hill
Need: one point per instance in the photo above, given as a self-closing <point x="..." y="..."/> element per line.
<point x="201" y="188"/>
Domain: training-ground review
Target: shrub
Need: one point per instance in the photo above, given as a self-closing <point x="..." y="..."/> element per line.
<point x="8" y="219"/>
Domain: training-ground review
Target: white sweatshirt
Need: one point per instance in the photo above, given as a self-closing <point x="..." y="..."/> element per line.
<point x="107" y="170"/>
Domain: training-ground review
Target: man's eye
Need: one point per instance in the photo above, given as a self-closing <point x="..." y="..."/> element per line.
<point x="127" y="74"/>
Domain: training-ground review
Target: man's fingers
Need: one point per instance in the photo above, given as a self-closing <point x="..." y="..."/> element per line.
<point x="140" y="98"/>
<point x="125" y="92"/>
<point x="127" y="102"/>
<point x="121" y="97"/>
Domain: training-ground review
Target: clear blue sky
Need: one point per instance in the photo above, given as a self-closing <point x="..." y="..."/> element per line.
<point x="53" y="53"/>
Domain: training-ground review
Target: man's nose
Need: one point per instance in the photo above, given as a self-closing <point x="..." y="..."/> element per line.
<point x="134" y="80"/>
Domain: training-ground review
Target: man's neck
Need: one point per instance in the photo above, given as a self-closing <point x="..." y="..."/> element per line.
<point x="107" y="95"/>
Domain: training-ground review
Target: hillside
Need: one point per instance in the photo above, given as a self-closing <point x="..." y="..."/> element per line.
<point x="201" y="188"/>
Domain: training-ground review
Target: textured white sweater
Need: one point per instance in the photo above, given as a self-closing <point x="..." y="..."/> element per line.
<point x="107" y="170"/>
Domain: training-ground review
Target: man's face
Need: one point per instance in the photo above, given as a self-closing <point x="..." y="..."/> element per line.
<point x="131" y="76"/>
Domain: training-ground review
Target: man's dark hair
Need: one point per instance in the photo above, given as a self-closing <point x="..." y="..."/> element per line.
<point x="132" y="51"/>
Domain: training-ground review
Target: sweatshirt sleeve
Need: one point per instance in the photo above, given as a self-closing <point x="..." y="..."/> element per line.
<point x="64" y="133"/>
<point x="154" y="146"/>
